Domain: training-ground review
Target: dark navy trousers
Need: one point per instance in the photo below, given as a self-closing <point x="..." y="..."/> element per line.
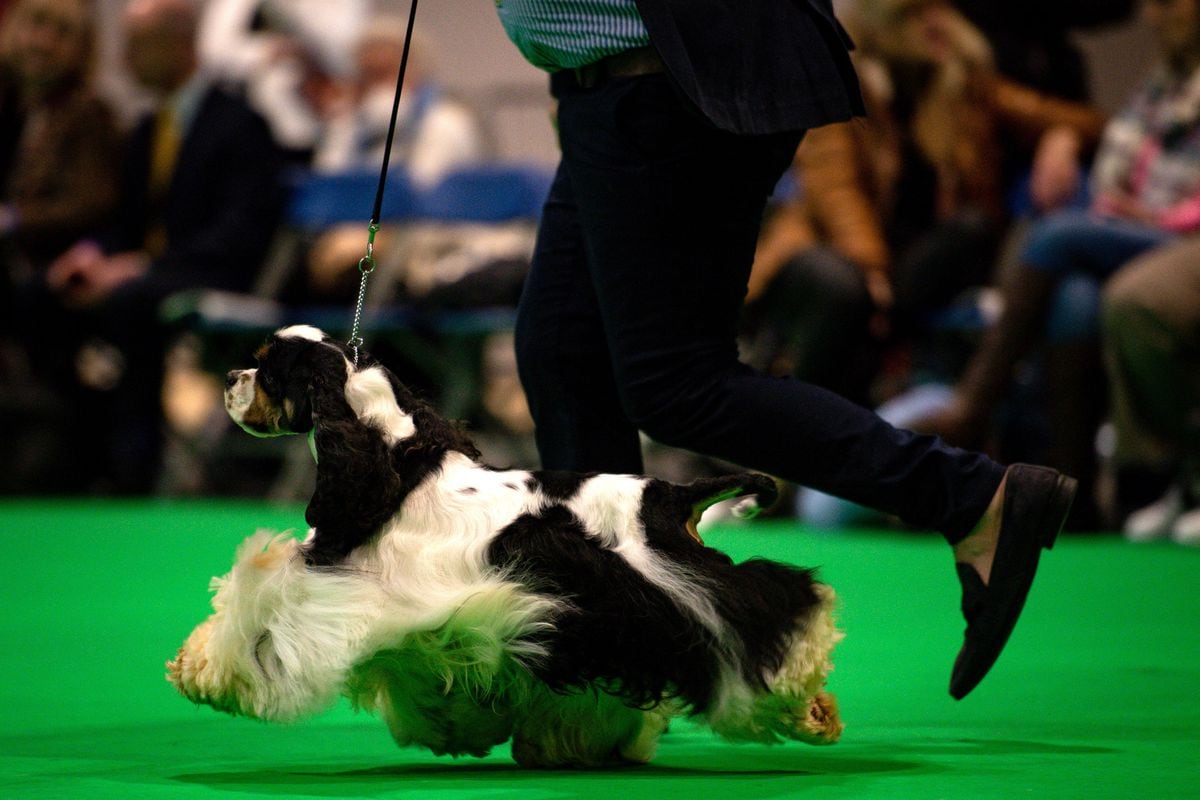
<point x="628" y="318"/>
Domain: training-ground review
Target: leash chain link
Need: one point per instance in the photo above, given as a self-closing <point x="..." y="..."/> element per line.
<point x="366" y="265"/>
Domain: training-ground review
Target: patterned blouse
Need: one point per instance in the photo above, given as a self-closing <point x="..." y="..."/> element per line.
<point x="1151" y="151"/>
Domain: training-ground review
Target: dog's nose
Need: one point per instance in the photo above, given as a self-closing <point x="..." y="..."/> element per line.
<point x="232" y="378"/>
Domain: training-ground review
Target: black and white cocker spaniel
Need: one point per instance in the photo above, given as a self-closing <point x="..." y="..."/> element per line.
<point x="467" y="605"/>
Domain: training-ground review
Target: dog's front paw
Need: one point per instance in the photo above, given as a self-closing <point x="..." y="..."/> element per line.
<point x="821" y="724"/>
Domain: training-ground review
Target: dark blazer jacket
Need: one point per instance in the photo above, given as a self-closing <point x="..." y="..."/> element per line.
<point x="222" y="206"/>
<point x="757" y="66"/>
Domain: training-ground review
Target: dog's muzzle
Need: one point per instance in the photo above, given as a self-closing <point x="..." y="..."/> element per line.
<point x="239" y="393"/>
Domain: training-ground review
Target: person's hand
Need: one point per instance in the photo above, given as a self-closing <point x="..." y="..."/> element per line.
<point x="8" y="219"/>
<point x="1125" y="205"/>
<point x="1056" y="172"/>
<point x="334" y="256"/>
<point x="73" y="266"/>
<point x="93" y="285"/>
<point x="879" y="289"/>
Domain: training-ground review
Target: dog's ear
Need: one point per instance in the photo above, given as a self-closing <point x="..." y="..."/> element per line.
<point x="325" y="374"/>
<point x="357" y="486"/>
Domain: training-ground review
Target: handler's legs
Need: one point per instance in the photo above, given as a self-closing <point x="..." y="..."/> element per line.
<point x="668" y="211"/>
<point x="562" y="355"/>
<point x="664" y="221"/>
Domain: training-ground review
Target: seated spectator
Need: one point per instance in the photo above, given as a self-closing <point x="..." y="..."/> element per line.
<point x="1032" y="39"/>
<point x="58" y="173"/>
<point x="434" y="264"/>
<point x="1033" y="44"/>
<point x="288" y="54"/>
<point x="1146" y="192"/>
<point x="58" y="141"/>
<point x="198" y="202"/>
<point x="1152" y="348"/>
<point x="900" y="212"/>
<point x="435" y="134"/>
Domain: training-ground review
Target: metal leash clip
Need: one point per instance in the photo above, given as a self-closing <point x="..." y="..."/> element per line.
<point x="366" y="265"/>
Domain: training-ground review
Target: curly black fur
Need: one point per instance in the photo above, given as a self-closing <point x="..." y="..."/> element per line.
<point x="619" y="631"/>
<point x="361" y="481"/>
<point x="626" y="634"/>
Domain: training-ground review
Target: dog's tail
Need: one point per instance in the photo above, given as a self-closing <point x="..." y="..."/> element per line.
<point x="759" y="492"/>
<point x="691" y="500"/>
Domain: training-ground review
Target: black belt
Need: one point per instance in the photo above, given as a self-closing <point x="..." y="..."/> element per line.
<point x="626" y="64"/>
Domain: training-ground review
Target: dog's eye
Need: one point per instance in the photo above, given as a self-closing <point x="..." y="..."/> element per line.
<point x="264" y="655"/>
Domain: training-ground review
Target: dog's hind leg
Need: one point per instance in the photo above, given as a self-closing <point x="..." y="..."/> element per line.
<point x="800" y="681"/>
<point x="702" y="493"/>
<point x="812" y="713"/>
<point x="795" y="704"/>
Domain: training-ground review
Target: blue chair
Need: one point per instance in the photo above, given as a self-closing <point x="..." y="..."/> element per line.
<point x="487" y="193"/>
<point x="315" y="201"/>
<point x="319" y="200"/>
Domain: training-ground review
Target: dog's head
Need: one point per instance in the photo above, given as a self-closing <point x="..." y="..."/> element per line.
<point x="305" y="379"/>
<point x="275" y="398"/>
<point x="278" y="640"/>
<point x="229" y="661"/>
<point x="373" y="439"/>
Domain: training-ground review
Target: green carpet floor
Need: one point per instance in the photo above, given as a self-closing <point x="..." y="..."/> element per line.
<point x="1097" y="695"/>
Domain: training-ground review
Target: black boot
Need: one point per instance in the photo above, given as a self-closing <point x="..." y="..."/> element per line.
<point x="1027" y="295"/>
<point x="1075" y="407"/>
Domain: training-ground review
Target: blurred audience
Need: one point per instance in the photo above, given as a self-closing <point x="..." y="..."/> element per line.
<point x="435" y="134"/>
<point x="58" y="141"/>
<point x="1145" y="186"/>
<point x="1152" y="348"/>
<point x="435" y="265"/>
<point x="197" y="204"/>
<point x="199" y="195"/>
<point x="899" y="213"/>
<point x="895" y="215"/>
<point x="1032" y="43"/>
<point x="1032" y="39"/>
<point x="291" y="56"/>
<point x="58" y="165"/>
<point x="434" y="131"/>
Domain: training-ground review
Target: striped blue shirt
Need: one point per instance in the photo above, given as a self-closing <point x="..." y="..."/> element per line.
<point x="563" y="34"/>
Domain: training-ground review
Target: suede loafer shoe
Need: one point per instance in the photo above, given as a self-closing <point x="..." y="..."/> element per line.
<point x="1036" y="503"/>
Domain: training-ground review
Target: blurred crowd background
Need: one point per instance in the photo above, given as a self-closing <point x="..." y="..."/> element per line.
<point x="1002" y="253"/>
